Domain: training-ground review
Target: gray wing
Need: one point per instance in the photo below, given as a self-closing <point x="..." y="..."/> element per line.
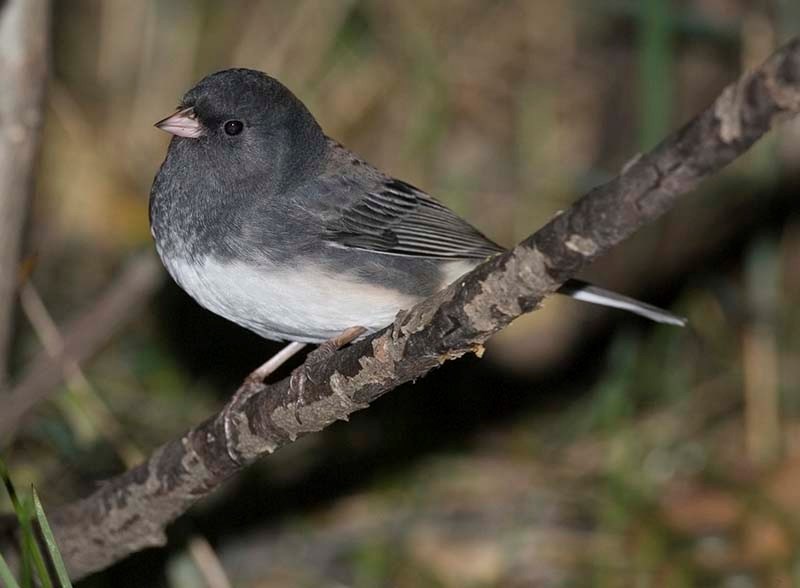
<point x="398" y="219"/>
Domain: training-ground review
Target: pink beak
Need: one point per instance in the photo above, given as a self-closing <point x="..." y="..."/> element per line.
<point x="183" y="123"/>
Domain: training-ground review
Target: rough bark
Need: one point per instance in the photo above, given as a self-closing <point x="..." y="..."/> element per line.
<point x="24" y="35"/>
<point x="130" y="512"/>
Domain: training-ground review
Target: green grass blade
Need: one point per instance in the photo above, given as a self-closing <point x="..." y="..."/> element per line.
<point x="32" y="558"/>
<point x="26" y="565"/>
<point x="6" y="577"/>
<point x="31" y="545"/>
<point x="50" y="542"/>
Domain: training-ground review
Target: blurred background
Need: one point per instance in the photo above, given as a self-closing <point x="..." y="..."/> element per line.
<point x="588" y="447"/>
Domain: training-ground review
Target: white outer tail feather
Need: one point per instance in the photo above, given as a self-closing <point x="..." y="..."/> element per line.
<point x="586" y="292"/>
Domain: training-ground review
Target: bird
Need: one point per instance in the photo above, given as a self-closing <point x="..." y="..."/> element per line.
<point x="266" y="221"/>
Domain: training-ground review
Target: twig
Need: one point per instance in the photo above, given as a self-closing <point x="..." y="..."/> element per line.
<point x="130" y="511"/>
<point x="98" y="418"/>
<point x="83" y="337"/>
<point x="24" y="26"/>
<point x="207" y="562"/>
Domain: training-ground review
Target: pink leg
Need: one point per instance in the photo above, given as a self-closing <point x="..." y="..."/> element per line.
<point x="269" y="367"/>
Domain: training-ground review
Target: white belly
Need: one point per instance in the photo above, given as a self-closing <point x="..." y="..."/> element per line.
<point x="302" y="304"/>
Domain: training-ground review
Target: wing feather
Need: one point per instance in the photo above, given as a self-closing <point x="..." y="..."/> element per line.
<point x="399" y="219"/>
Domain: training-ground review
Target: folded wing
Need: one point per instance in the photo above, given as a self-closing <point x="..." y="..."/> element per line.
<point x="399" y="219"/>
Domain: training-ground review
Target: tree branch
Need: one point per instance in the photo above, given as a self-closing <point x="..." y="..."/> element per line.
<point x="24" y="27"/>
<point x="130" y="512"/>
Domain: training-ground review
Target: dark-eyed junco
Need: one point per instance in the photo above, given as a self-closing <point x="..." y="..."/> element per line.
<point x="269" y="223"/>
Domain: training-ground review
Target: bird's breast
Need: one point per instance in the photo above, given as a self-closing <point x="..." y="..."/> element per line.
<point x="304" y="302"/>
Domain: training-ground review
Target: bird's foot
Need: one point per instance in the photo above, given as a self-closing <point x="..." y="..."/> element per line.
<point x="252" y="385"/>
<point x="329" y="347"/>
<point x="309" y="370"/>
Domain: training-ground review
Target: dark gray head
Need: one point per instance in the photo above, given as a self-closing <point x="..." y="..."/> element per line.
<point x="243" y="125"/>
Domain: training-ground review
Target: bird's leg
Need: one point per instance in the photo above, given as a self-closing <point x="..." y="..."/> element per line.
<point x="250" y="386"/>
<point x="258" y="375"/>
<point x="253" y="383"/>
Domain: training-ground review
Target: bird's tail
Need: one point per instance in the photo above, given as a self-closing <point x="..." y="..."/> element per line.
<point x="587" y="292"/>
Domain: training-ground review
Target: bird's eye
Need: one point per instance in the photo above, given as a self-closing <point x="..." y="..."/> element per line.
<point x="233" y="127"/>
